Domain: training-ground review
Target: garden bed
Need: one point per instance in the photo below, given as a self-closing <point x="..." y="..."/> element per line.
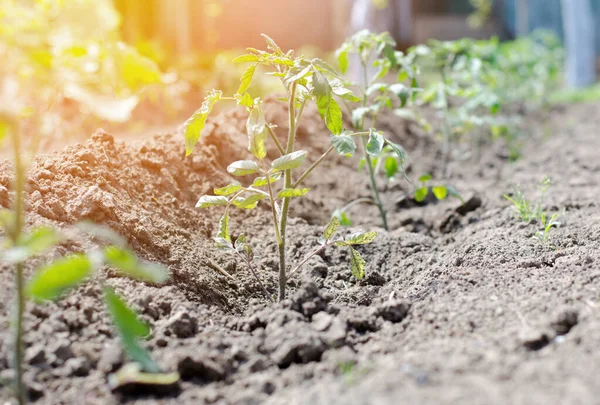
<point x="460" y="303"/>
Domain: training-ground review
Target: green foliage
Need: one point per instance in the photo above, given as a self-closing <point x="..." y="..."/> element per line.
<point x="52" y="281"/>
<point x="533" y="211"/>
<point x="304" y="80"/>
<point x="377" y="54"/>
<point x="440" y="191"/>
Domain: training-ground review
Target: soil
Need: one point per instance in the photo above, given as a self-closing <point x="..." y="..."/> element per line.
<point x="461" y="303"/>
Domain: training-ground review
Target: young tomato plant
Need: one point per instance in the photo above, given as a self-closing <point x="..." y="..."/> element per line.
<point x="377" y="56"/>
<point x="304" y="80"/>
<point x="440" y="191"/>
<point x="53" y="281"/>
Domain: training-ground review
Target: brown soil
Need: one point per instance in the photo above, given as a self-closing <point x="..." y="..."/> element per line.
<point x="461" y="304"/>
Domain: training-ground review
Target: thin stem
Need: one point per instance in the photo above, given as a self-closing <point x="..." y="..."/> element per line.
<point x="357" y="202"/>
<point x="276" y="140"/>
<point x="286" y="201"/>
<point x="313" y="166"/>
<point x="320" y="160"/>
<point x="306" y="259"/>
<point x="367" y="157"/>
<point x="15" y="235"/>
<point x="273" y="209"/>
<point x="256" y="276"/>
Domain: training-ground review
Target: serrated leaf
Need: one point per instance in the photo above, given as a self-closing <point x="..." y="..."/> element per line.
<point x="129" y="264"/>
<point x="247" y="58"/>
<point x="375" y="144"/>
<point x="193" y="127"/>
<point x="37" y="241"/>
<point x="246" y="79"/>
<point x="223" y="230"/>
<point x="289" y="161"/>
<point x="440" y="192"/>
<point x="342" y="57"/>
<point x="299" y="75"/>
<point x="130" y="329"/>
<point x="249" y="202"/>
<point x="292" y="192"/>
<point x="228" y="190"/>
<point x="246" y="101"/>
<point x="361" y="238"/>
<point x="421" y="194"/>
<point x="262" y="181"/>
<point x="211" y="201"/>
<point x="271" y="45"/>
<point x="331" y="227"/>
<point x="52" y="281"/>
<point x="357" y="264"/>
<point x="243" y="168"/>
<point x="334" y="117"/>
<point x="257" y="134"/>
<point x="324" y="66"/>
<point x="344" y="144"/>
<point x="321" y="87"/>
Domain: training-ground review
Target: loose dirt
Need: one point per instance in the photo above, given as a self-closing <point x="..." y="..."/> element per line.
<point x="461" y="303"/>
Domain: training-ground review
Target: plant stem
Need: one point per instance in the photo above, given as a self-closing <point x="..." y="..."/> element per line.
<point x="307" y="258"/>
<point x="15" y="235"/>
<point x="256" y="276"/>
<point x="276" y="140"/>
<point x="367" y="157"/>
<point x="286" y="201"/>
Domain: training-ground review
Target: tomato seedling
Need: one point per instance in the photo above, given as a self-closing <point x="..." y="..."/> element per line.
<point x="304" y="80"/>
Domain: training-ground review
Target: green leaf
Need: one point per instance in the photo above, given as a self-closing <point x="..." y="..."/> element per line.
<point x="375" y="144"/>
<point x="247" y="58"/>
<point x="324" y="66"/>
<point x="344" y="144"/>
<point x="193" y="127"/>
<point x="421" y="193"/>
<point x="342" y="217"/>
<point x="228" y="190"/>
<point x="425" y="178"/>
<point x="390" y="165"/>
<point x="299" y="75"/>
<point x="331" y="228"/>
<point x="402" y="92"/>
<point x="249" y="202"/>
<point x="454" y="193"/>
<point x="223" y="239"/>
<point x="272" y="46"/>
<point x="361" y="238"/>
<point x="401" y="156"/>
<point x="440" y="192"/>
<point x="130" y="329"/>
<point x="390" y="54"/>
<point x="211" y="201"/>
<point x="334" y="117"/>
<point x="131" y="373"/>
<point x="52" y="281"/>
<point x="36" y="242"/>
<point x="246" y="101"/>
<point x="129" y="264"/>
<point x="357" y="264"/>
<point x="257" y="134"/>
<point x="243" y="168"/>
<point x="321" y="87"/>
<point x="262" y="181"/>
<point x="342" y="57"/>
<point x="246" y="79"/>
<point x="289" y="161"/>
<point x="292" y="192"/>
